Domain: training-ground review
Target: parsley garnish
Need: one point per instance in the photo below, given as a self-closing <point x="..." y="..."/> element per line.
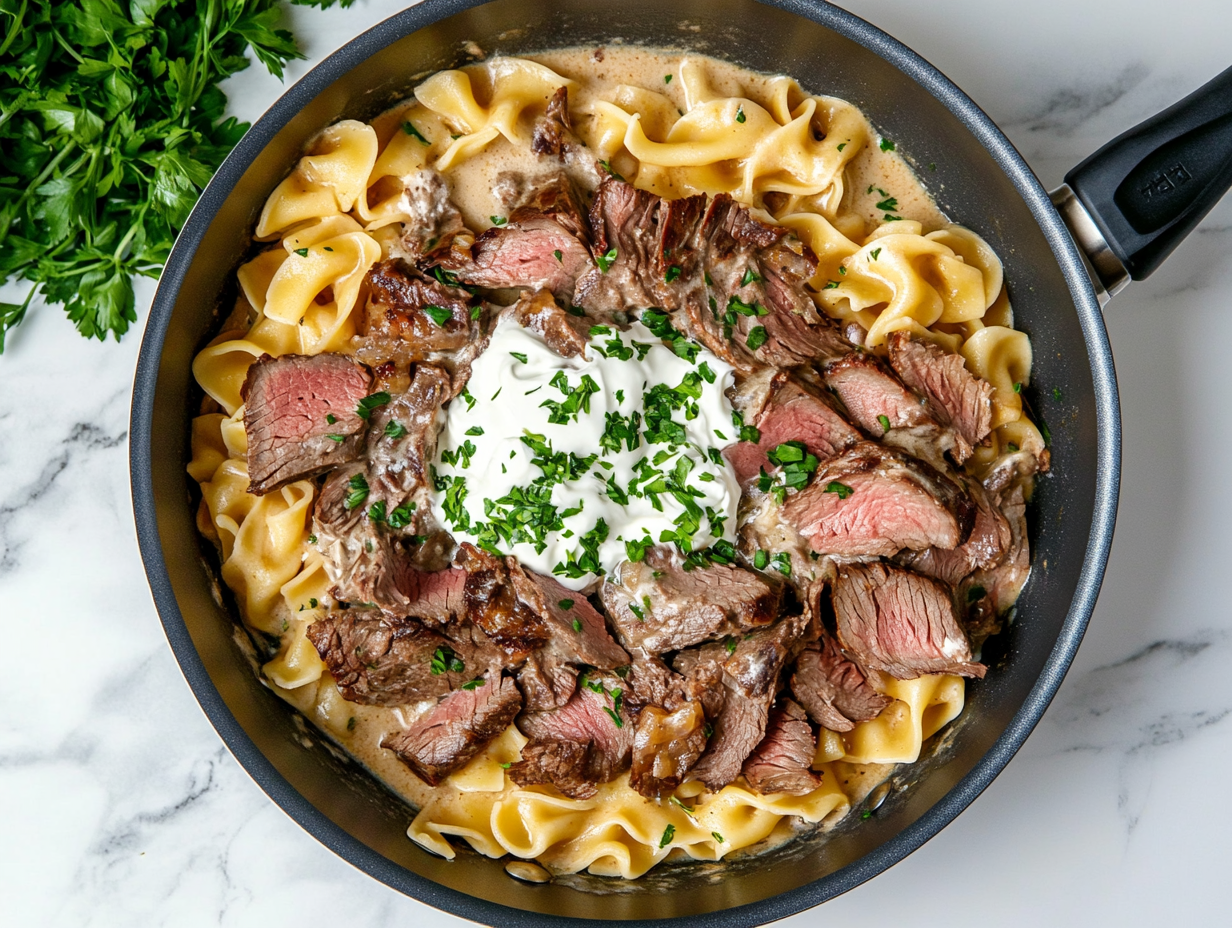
<point x="1011" y="447"/>
<point x="874" y="253"/>
<point x="670" y="831"/>
<point x="476" y="312"/>
<point x="718" y="837"/>
<point x="376" y="512"/>
<point x="887" y="145"/>
<point x="506" y="765"/>
<point x="473" y="684"/>
<point x="747" y="432"/>
<point x="607" y="166"/>
<point x="302" y="252"/>
<point x="438" y="314"/>
<point x="401" y="517"/>
<point x="359" y="492"/>
<point x="975" y="593"/>
<point x="351" y="723"/>
<point x="660" y="325"/>
<point x="885" y="422"/>
<point x="606" y="261"/>
<point x="409" y="128"/>
<point x="740" y="117"/>
<point x="667" y="78"/>
<point x="566" y="604"/>
<point x="331" y="418"/>
<point x="558" y="256"/>
<point x="672" y="273"/>
<point x="577" y="625"/>
<point x="466" y="396"/>
<point x="782" y="563"/>
<point x="729" y="644"/>
<point x="475" y="430"/>
<point x="518" y="356"/>
<point x="371" y="402"/>
<point x="841" y="489"/>
<point x="683" y="808"/>
<point x="757" y="337"/>
<point x="577" y="399"/>
<point x="498" y="220"/>
<point x="332" y="436"/>
<point x="313" y="602"/>
<point x="443" y="658"/>
<point x="750" y="277"/>
<point x="831" y="285"/>
<point x="888" y="205"/>
<point x="312" y="539"/>
<point x="761" y="559"/>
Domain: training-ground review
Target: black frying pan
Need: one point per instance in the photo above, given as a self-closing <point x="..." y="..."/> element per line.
<point x="1129" y="205"/>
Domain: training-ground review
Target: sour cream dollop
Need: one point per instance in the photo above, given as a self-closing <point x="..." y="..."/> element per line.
<point x="574" y="465"/>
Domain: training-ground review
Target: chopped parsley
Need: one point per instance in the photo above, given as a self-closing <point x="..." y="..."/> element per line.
<point x="566" y="604"/>
<point x="443" y="658"/>
<point x="888" y="205"/>
<point x="718" y="837"/>
<point x="558" y="256"/>
<point x="887" y="145"/>
<point x="842" y="145"/>
<point x="409" y="128"/>
<point x="351" y="723"/>
<point x="498" y="220"/>
<point x="401" y="517"/>
<point x="740" y="117"/>
<point x="747" y="432"/>
<point x="312" y="539"/>
<point x="577" y="625"/>
<point x="576" y="399"/>
<point x="335" y="437"/>
<point x="461" y="456"/>
<point x="331" y="418"/>
<point x="371" y="402"/>
<point x="438" y="314"/>
<point x="376" y="512"/>
<point x="313" y="602"/>
<point x="757" y="337"/>
<point x="672" y="273"/>
<point x="476" y="312"/>
<point x="873" y="255"/>
<point x="750" y="277"/>
<point x="674" y="800"/>
<point x="518" y="356"/>
<point x="885" y="422"/>
<point x="474" y="684"/>
<point x="469" y="400"/>
<point x="660" y="325"/>
<point x="729" y="644"/>
<point x="359" y="492"/>
<point x="1017" y="387"/>
<point x="841" y="489"/>
<point x="761" y="559"/>
<point x="605" y="261"/>
<point x="667" y="78"/>
<point x="1056" y="394"/>
<point x="302" y="252"/>
<point x="475" y="430"/>
<point x="782" y="563"/>
<point x="670" y="831"/>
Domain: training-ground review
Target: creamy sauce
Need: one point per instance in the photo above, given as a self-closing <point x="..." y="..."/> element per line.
<point x="580" y="444"/>
<point x="476" y="186"/>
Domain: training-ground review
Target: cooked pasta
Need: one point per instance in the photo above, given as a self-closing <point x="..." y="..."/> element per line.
<point x="886" y="262"/>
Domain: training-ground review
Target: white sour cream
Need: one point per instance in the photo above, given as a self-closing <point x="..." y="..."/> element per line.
<point x="482" y="449"/>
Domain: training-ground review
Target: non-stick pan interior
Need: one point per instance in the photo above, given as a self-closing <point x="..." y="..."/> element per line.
<point x="946" y="138"/>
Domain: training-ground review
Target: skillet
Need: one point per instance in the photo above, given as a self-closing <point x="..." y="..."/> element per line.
<point x="1127" y="206"/>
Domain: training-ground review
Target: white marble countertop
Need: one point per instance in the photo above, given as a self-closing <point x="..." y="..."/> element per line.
<point x="120" y="806"/>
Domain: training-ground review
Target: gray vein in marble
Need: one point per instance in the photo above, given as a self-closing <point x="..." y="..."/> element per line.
<point x="1067" y="110"/>
<point x="83" y="438"/>
<point x="1136" y="706"/>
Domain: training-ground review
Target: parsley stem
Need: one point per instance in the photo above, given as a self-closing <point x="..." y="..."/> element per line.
<point x="8" y="40"/>
<point x="64" y="45"/>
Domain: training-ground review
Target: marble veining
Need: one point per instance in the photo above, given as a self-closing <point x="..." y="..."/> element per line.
<point x="120" y="806"/>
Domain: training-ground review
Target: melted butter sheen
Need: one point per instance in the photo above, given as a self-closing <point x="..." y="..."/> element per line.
<point x="500" y="441"/>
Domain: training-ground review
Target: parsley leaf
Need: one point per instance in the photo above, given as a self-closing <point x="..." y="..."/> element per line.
<point x="371" y="402"/>
<point x="359" y="492"/>
<point x="605" y="261"/>
<point x="438" y="314"/>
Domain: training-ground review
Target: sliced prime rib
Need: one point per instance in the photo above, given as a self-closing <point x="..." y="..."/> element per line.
<point x="401" y="315"/>
<point x="523" y="252"/>
<point x="624" y="235"/>
<point x="461" y="725"/>
<point x="765" y="267"/>
<point x="1004" y="581"/>
<point x="789" y="412"/>
<point x="870" y="391"/>
<point x="874" y="501"/>
<point x="990" y="539"/>
<point x="749" y="670"/>
<point x="402" y="439"/>
<point x="433" y="221"/>
<point x="300" y="417"/>
<point x="780" y="764"/>
<point x="833" y="689"/>
<point x="376" y="662"/>
<point x="539" y="312"/>
<point x="536" y="619"/>
<point x="596" y="719"/>
<point x="657" y="606"/>
<point x="366" y="564"/>
<point x="956" y="397"/>
<point x="899" y="622"/>
<point x="554" y="129"/>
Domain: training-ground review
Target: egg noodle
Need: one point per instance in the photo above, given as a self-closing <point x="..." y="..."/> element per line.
<point x="676" y="126"/>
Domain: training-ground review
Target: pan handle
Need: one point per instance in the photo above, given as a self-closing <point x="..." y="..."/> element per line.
<point x="1130" y="204"/>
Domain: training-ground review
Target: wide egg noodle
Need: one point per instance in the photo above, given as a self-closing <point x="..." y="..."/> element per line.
<point x="329" y="179"/>
<point x="921" y="708"/>
<point x="510" y="87"/>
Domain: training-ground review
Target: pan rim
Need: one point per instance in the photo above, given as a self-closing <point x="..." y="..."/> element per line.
<point x="261" y="769"/>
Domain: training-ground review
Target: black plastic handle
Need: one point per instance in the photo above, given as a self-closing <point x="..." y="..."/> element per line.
<point x="1149" y="188"/>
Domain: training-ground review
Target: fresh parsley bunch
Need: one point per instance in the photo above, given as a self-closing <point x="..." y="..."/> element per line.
<point x="111" y="122"/>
